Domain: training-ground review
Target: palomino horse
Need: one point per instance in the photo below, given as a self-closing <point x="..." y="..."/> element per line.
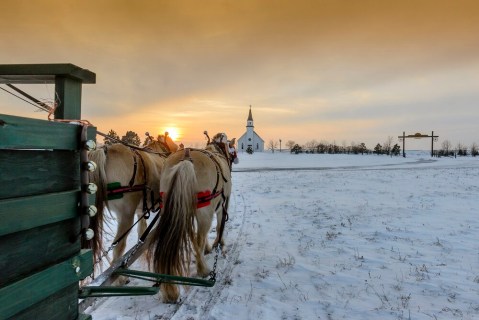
<point x="129" y="177"/>
<point x="195" y="184"/>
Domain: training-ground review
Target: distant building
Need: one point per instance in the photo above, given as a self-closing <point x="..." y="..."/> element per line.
<point x="250" y="138"/>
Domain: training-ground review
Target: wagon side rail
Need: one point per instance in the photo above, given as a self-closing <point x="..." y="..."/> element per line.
<point x="42" y="200"/>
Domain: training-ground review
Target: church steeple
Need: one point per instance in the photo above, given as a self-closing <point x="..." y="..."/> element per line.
<point x="249" y="122"/>
<point x="250" y="141"/>
<point x="250" y="117"/>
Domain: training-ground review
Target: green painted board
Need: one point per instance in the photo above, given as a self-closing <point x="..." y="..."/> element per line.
<point x="22" y="253"/>
<point x="25" y="133"/>
<point x="43" y="73"/>
<point x="24" y="213"/>
<point x="22" y="294"/>
<point x="61" y="305"/>
<point x="33" y="172"/>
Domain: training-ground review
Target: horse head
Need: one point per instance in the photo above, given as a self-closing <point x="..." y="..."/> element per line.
<point x="220" y="138"/>
<point x="167" y="144"/>
<point x="227" y="147"/>
<point x="232" y="151"/>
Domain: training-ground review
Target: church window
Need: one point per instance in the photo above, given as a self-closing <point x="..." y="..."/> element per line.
<point x="249" y="139"/>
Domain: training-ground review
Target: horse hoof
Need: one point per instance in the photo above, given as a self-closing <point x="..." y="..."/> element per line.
<point x="203" y="273"/>
<point x="123" y="280"/>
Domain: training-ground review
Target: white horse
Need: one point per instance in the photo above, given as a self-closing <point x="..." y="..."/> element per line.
<point x="195" y="184"/>
<point x="130" y="178"/>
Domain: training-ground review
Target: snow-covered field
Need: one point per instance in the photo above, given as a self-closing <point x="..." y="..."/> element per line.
<point x="338" y="237"/>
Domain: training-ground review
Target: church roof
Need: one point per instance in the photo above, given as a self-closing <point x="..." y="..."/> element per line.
<point x="255" y="136"/>
<point x="250" y="116"/>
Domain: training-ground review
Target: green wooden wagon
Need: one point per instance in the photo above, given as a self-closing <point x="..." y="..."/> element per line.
<point x="43" y="201"/>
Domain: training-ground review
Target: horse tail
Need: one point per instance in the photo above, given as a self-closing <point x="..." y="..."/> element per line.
<point x="99" y="178"/>
<point x="171" y="245"/>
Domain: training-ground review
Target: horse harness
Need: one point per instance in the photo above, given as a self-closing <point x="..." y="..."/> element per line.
<point x="115" y="190"/>
<point x="205" y="197"/>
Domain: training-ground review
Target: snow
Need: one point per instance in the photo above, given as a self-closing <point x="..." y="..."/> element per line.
<point x="338" y="237"/>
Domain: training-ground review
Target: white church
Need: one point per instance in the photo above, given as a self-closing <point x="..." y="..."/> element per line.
<point x="250" y="138"/>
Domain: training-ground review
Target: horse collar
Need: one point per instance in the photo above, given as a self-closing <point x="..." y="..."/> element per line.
<point x="186" y="155"/>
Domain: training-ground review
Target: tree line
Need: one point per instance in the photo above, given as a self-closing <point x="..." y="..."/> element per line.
<point x="447" y="150"/>
<point x="130" y="137"/>
<point x="324" y="147"/>
<point x="385" y="148"/>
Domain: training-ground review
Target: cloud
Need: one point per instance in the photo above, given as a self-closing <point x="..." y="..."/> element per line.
<point x="311" y="67"/>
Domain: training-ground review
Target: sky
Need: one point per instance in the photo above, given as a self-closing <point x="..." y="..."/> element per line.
<point x="338" y="71"/>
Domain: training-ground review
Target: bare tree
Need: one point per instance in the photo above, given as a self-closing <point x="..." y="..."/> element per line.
<point x="323" y="146"/>
<point x="290" y="144"/>
<point x="461" y="149"/>
<point x="474" y="149"/>
<point x="387" y="145"/>
<point x="446" y="147"/>
<point x="272" y="145"/>
<point x="311" y="145"/>
<point x="363" y="148"/>
<point x="345" y="148"/>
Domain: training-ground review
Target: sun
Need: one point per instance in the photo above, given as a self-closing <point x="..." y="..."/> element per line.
<point x="173" y="132"/>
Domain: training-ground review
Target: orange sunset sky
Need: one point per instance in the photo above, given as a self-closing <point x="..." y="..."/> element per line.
<point x="334" y="70"/>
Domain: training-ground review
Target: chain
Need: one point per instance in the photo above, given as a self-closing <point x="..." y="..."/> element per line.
<point x="104" y="254"/>
<point x="213" y="272"/>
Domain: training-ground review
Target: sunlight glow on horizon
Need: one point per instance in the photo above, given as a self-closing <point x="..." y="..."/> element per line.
<point x="173" y="132"/>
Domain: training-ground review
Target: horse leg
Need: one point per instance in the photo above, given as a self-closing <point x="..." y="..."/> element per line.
<point x="208" y="247"/>
<point x="125" y="213"/>
<point x="142" y="225"/>
<point x="125" y="220"/>
<point x="219" y="217"/>
<point x="205" y="243"/>
<point x="203" y="227"/>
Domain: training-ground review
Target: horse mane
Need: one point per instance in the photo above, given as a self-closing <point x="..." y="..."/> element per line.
<point x="220" y="137"/>
<point x="161" y="146"/>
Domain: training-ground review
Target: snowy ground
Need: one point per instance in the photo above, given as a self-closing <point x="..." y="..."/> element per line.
<point x="343" y="237"/>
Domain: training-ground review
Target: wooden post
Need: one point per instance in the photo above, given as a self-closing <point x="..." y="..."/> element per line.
<point x="404" y="144"/>
<point x="68" y="96"/>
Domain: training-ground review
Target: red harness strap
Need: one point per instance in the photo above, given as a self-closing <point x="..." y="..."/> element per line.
<point x="125" y="189"/>
<point x="204" y="198"/>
